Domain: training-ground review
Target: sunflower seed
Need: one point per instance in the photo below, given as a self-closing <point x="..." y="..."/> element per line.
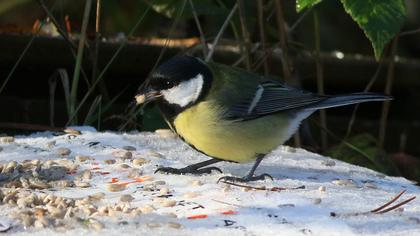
<point x="7" y="139"/>
<point x="72" y="131"/>
<point x="165" y="133"/>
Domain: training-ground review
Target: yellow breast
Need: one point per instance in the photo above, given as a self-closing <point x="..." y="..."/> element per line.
<point x="240" y="141"/>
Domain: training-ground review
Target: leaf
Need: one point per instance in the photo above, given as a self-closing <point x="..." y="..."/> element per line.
<point x="381" y="20"/>
<point x="302" y="4"/>
<point x="170" y="8"/>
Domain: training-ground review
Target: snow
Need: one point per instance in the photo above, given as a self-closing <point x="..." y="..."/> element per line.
<point x="229" y="211"/>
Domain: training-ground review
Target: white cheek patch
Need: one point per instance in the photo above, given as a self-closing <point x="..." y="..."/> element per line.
<point x="184" y="93"/>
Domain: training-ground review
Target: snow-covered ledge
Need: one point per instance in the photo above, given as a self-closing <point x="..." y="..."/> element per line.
<point x="107" y="184"/>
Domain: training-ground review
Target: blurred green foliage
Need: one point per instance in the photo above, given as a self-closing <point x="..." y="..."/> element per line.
<point x="363" y="150"/>
<point x="380" y="20"/>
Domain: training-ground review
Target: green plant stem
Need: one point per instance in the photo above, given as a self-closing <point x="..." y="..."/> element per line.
<point x="97" y="39"/>
<point x="101" y="75"/>
<point x="388" y="88"/>
<point x="64" y="34"/>
<point x="320" y="79"/>
<point x="79" y="59"/>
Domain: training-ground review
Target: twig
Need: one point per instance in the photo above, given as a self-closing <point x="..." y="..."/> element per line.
<point x="410" y="32"/>
<point x="320" y="79"/>
<point x="398" y="205"/>
<point x="260" y="12"/>
<point x="388" y="87"/>
<point x="274" y="189"/>
<point x="200" y="30"/>
<point x="247" y="40"/>
<point x="286" y="66"/>
<point x="388" y="203"/>
<point x="227" y="203"/>
<point x="219" y="34"/>
<point x="382" y="209"/>
<point x="283" y="41"/>
<point x="297" y="22"/>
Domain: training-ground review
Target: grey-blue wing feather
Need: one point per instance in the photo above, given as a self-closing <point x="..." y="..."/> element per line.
<point x="274" y="97"/>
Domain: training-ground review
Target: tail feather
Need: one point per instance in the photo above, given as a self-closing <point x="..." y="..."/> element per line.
<point x="348" y="99"/>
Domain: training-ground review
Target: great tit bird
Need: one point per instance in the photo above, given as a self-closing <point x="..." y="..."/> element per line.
<point x="230" y="114"/>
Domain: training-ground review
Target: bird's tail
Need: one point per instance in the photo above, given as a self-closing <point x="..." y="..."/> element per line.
<point x="348" y="99"/>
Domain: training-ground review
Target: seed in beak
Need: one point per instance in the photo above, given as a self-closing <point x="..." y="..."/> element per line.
<point x="140" y="99"/>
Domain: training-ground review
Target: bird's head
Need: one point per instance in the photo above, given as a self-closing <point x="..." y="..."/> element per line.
<point x="179" y="83"/>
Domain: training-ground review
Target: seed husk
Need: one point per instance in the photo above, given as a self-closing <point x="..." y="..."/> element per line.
<point x="81" y="184"/>
<point x="168" y="203"/>
<point x="140" y="161"/>
<point x="109" y="161"/>
<point x="191" y="195"/>
<point x="81" y="158"/>
<point x="174" y="225"/>
<point x="95" y="224"/>
<point x="322" y="188"/>
<point x="123" y="155"/>
<point x="146" y="209"/>
<point x="126" y="198"/>
<point x="115" y="187"/>
<point x="196" y="183"/>
<point x="129" y="148"/>
<point x="63" y="151"/>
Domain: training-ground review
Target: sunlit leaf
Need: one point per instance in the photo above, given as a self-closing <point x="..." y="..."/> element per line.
<point x="381" y="20"/>
<point x="302" y="4"/>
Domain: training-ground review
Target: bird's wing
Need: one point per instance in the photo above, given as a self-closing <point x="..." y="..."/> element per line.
<point x="271" y="97"/>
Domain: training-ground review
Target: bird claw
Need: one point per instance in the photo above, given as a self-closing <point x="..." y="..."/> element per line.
<point x="245" y="179"/>
<point x="181" y="171"/>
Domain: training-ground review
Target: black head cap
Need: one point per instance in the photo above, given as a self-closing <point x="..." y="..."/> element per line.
<point x="178" y="69"/>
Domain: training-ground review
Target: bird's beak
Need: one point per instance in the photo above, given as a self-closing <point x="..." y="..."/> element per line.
<point x="147" y="96"/>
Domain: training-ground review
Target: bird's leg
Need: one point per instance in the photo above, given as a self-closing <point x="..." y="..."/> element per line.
<point x="192" y="169"/>
<point x="250" y="176"/>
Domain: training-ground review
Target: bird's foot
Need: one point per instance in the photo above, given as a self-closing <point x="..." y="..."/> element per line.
<point x="186" y="170"/>
<point x="245" y="179"/>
